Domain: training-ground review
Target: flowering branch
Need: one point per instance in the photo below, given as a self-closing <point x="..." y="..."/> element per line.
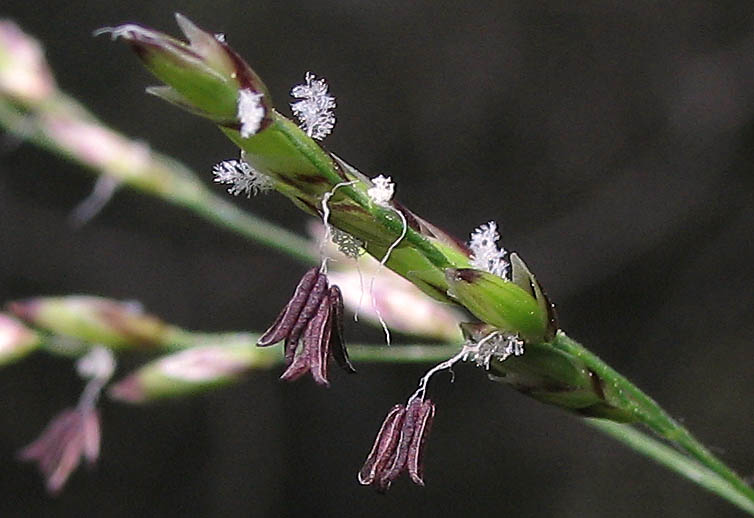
<point x="74" y="433"/>
<point x="509" y="303"/>
<point x="208" y="361"/>
<point x="34" y="109"/>
<point x="195" y="361"/>
<point x="206" y="77"/>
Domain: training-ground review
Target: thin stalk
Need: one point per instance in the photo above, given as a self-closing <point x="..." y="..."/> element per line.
<point x="180" y="339"/>
<point x="223" y="213"/>
<point x="401" y="353"/>
<point x="166" y="174"/>
<point x="654" y="417"/>
<point x="674" y="461"/>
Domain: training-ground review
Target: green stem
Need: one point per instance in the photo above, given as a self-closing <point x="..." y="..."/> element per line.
<point x="675" y="461"/>
<point x="181" y="339"/>
<point x="401" y="353"/>
<point x="299" y="148"/>
<point x="653" y="416"/>
<point x="221" y="212"/>
<point x="161" y="176"/>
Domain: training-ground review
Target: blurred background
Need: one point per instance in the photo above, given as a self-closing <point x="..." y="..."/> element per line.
<point x="613" y="143"/>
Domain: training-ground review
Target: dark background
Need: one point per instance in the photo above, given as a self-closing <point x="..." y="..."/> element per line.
<point x="613" y="143"/>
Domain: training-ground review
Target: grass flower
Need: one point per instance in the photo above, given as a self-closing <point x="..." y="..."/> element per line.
<point x="495" y="286"/>
<point x="205" y="75"/>
<point x="74" y="434"/>
<point x="190" y="371"/>
<point x="16" y="340"/>
<point x="24" y="74"/>
<point x="94" y="320"/>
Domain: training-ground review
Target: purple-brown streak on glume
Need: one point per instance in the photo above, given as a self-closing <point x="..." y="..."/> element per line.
<point x="411" y="220"/>
<point x="310" y="179"/>
<point x="597" y="384"/>
<point x="117" y="316"/>
<point x="352" y="209"/>
<point x="467" y="275"/>
<point x="416" y="450"/>
<point x="290" y="313"/>
<point x="244" y="76"/>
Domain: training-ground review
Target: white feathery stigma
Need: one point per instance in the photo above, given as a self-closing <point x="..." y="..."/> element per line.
<point x="485" y="254"/>
<point x="241" y="177"/>
<point x="381" y="191"/>
<point x="498" y="346"/>
<point x="250" y="112"/>
<point x="315" y="109"/>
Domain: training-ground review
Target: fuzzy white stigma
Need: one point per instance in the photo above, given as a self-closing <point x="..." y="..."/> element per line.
<point x="250" y="112"/>
<point x="382" y="190"/>
<point x="497" y="346"/>
<point x="485" y="254"/>
<point x="315" y="109"/>
<point x="241" y="177"/>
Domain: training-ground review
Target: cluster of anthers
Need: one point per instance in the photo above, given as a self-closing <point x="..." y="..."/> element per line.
<point x="399" y="446"/>
<point x="400" y="443"/>
<point x="314" y="316"/>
